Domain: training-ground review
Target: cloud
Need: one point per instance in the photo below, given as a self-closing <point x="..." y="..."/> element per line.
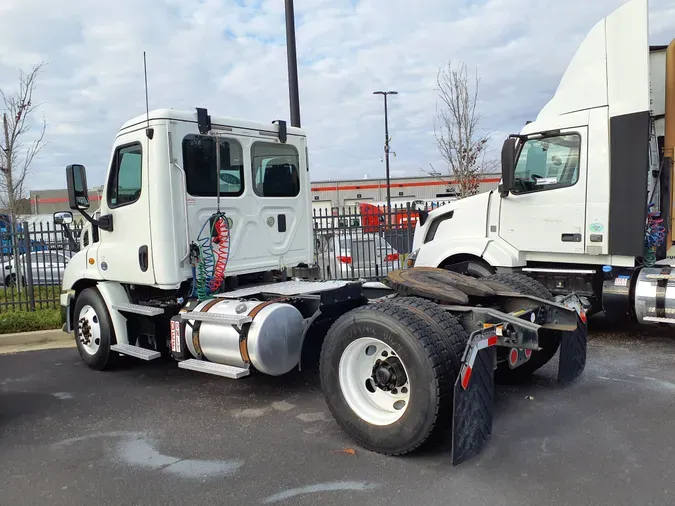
<point x="230" y="56"/>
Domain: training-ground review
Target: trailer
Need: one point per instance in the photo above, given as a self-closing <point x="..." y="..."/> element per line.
<point x="586" y="202"/>
<point x="202" y="253"/>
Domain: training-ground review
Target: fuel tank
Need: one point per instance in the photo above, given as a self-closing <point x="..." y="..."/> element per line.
<point x="271" y="343"/>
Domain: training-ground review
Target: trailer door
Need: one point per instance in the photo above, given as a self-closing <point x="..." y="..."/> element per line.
<point x="546" y="211"/>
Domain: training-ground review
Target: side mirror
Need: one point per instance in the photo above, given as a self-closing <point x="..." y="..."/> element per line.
<point x="63" y="217"/>
<point x="78" y="194"/>
<point x="508" y="165"/>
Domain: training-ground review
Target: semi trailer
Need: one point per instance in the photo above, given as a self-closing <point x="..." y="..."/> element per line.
<point x="585" y="203"/>
<point x="202" y="253"/>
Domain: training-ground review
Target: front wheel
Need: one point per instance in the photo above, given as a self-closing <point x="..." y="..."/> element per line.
<point x="93" y="330"/>
<point x="387" y="375"/>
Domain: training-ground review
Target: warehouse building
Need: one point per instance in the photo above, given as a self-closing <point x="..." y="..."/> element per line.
<point x="325" y="194"/>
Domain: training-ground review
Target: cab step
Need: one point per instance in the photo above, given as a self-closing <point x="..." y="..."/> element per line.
<point x="226" y="371"/>
<point x="223" y="319"/>
<point x="138" y="309"/>
<point x="136" y="351"/>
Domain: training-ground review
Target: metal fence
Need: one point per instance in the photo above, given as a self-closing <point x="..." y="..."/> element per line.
<point x="365" y="241"/>
<point x="361" y="242"/>
<point x="33" y="259"/>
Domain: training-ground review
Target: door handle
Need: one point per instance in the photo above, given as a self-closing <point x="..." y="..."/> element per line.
<point x="571" y="237"/>
<point x="143" y="258"/>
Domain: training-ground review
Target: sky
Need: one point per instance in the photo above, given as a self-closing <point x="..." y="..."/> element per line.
<point x="230" y="57"/>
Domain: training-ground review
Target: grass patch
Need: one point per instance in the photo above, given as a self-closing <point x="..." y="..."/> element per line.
<point x="13" y="299"/>
<point x="29" y="321"/>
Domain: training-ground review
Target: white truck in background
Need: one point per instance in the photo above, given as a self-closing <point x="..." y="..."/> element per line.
<point x="586" y="198"/>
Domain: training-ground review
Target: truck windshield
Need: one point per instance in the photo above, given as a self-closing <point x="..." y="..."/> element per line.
<point x="199" y="162"/>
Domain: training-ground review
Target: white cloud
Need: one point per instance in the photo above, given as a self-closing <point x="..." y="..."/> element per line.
<point x="230" y="56"/>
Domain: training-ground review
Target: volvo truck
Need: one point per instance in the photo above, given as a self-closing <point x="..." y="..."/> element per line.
<point x="585" y="203"/>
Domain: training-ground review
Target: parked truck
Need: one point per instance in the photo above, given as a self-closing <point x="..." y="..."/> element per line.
<point x="202" y="252"/>
<point x="585" y="203"/>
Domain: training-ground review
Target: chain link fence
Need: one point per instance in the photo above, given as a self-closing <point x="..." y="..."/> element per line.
<point x="359" y="242"/>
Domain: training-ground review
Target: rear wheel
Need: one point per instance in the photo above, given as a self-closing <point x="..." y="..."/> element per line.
<point x="387" y="374"/>
<point x="549" y="340"/>
<point x="93" y="330"/>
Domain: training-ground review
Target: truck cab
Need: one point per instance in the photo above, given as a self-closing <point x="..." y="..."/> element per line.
<point x="162" y="185"/>
<point x="582" y="185"/>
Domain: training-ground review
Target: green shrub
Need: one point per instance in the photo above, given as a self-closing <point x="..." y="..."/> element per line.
<point x="28" y="321"/>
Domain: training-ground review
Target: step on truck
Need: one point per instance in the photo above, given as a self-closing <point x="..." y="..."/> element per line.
<point x="201" y="252"/>
<point x="585" y="203"/>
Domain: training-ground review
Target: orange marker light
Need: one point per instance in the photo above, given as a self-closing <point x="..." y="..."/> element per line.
<point x="91" y="261"/>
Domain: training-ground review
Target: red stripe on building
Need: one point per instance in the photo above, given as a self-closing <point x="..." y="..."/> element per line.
<point x="59" y="200"/>
<point x="395" y="185"/>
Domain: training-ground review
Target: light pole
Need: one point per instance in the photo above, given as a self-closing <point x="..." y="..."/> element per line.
<point x="292" y="59"/>
<point x="386" y="145"/>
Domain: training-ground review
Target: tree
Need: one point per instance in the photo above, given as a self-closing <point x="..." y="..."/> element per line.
<point x="18" y="148"/>
<point x="456" y="128"/>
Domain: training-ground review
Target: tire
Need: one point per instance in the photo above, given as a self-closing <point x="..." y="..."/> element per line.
<point x="549" y="341"/>
<point x="93" y="330"/>
<point x="430" y="368"/>
<point x="476" y="269"/>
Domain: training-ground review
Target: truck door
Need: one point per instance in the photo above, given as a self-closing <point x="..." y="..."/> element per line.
<point x="546" y="211"/>
<point x="124" y="254"/>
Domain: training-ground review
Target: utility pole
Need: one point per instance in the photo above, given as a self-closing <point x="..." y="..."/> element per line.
<point x="291" y="56"/>
<point x="386" y="146"/>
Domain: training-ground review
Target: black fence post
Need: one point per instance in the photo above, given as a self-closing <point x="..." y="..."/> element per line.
<point x="29" y="267"/>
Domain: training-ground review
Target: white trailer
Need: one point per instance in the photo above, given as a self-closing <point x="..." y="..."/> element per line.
<point x="586" y="198"/>
<point x="202" y="252"/>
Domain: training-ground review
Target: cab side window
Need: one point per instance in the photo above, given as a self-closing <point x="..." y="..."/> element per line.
<point x="548" y="163"/>
<point x="124" y="187"/>
<point x="275" y="170"/>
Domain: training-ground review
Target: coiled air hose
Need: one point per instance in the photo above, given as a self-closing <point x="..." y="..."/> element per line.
<point x="212" y="260"/>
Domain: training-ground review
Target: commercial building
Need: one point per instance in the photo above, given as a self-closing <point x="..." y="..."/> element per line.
<point x="325" y="194"/>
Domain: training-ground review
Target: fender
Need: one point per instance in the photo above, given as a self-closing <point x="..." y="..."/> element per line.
<point x="114" y="293"/>
<point x="79" y="268"/>
<point x="494" y="252"/>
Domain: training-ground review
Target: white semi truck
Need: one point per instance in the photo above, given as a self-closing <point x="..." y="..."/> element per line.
<point x="202" y="252"/>
<point x="585" y="204"/>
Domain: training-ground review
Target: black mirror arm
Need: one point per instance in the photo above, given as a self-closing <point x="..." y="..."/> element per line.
<point x="104" y="222"/>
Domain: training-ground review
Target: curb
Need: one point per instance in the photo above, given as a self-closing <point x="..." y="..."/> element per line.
<point x="37" y="337"/>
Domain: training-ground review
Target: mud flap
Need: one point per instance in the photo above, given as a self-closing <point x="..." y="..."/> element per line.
<point x="573" y="353"/>
<point x="473" y="408"/>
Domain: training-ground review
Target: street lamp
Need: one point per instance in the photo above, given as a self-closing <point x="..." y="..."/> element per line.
<point x="386" y="145"/>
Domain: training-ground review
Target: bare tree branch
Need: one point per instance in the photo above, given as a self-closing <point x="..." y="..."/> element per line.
<point x="19" y="145"/>
<point x="456" y="128"/>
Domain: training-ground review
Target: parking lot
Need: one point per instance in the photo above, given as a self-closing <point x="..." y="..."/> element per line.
<point x="154" y="434"/>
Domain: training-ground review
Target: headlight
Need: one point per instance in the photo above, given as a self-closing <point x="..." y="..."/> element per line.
<point x="410" y="259"/>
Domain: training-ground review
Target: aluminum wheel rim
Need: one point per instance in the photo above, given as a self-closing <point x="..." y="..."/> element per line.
<point x="369" y="402"/>
<point x="89" y="330"/>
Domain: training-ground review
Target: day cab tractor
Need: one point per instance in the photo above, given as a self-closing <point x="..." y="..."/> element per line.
<point x="202" y="252"/>
<point x="586" y="202"/>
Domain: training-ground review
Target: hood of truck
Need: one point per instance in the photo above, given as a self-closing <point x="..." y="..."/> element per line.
<point x="610" y="67"/>
<point x="466" y="218"/>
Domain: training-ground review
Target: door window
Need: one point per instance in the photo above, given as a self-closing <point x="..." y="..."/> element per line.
<point x="275" y="170"/>
<point x="124" y="187"/>
<point x="548" y="163"/>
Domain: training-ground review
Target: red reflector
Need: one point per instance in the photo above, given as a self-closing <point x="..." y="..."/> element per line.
<point x="528" y="353"/>
<point x="466" y="377"/>
<point x="583" y="316"/>
<point x="492" y="341"/>
<point x="513" y="356"/>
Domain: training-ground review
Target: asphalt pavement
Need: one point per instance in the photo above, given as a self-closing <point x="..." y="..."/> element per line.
<point x="150" y="433"/>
